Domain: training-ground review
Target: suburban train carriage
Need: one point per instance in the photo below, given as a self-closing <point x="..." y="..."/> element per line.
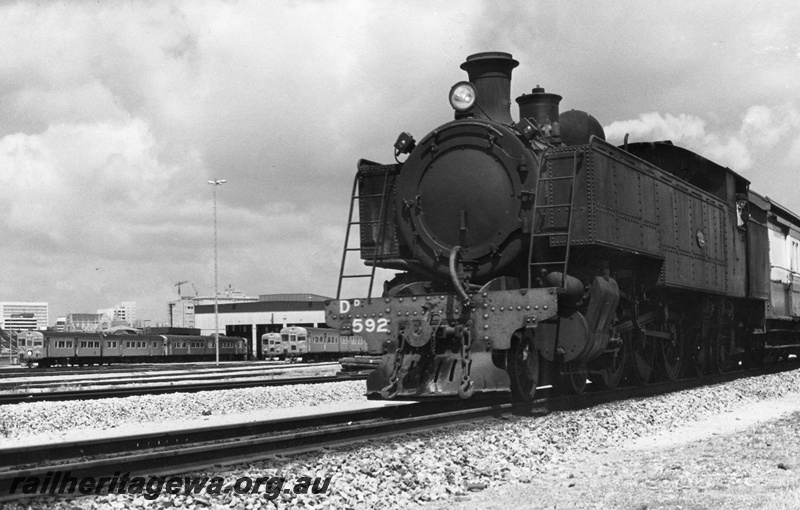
<point x="328" y="344"/>
<point x="74" y="348"/>
<point x="782" y="325"/>
<point x="139" y="348"/>
<point x="271" y="346"/>
<point x="294" y="340"/>
<point x="30" y="347"/>
<point x="230" y="347"/>
<point x="201" y="348"/>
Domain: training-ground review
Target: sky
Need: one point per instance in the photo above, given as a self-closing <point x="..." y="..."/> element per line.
<point x="114" y="115"/>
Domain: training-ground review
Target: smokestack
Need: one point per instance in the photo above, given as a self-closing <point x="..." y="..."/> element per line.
<point x="490" y="72"/>
<point x="540" y="106"/>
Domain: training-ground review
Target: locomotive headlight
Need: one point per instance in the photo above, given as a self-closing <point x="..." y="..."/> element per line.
<point x="462" y="96"/>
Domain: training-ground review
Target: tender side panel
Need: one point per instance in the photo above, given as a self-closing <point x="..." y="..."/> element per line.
<point x="625" y="203"/>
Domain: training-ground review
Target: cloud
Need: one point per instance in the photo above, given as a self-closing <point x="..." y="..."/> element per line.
<point x="762" y="129"/>
<point x="114" y="115"/>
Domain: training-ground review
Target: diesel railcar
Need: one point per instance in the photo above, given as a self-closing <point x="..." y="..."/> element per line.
<point x="534" y="252"/>
<point x="47" y="348"/>
<point x="311" y="344"/>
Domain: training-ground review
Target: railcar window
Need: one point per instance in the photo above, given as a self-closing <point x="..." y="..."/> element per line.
<point x="795" y="256"/>
<point x="37" y="343"/>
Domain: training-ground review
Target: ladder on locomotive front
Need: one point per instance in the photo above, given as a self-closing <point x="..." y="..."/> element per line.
<point x="356" y="196"/>
<point x="544" y="190"/>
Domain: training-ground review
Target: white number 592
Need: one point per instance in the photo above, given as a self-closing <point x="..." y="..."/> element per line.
<point x="371" y="325"/>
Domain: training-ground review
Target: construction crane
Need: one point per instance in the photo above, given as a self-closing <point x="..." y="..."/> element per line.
<point x="179" y="285"/>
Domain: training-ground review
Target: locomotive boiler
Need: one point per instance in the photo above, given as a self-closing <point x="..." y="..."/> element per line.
<point x="533" y="252"/>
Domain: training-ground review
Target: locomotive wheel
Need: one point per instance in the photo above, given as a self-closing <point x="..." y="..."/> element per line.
<point x="612" y="368"/>
<point x="642" y="357"/>
<point x="670" y="354"/>
<point x="523" y="369"/>
<point x="573" y="378"/>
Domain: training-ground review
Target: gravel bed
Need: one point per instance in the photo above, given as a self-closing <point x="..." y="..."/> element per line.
<point x="43" y="421"/>
<point x="417" y="470"/>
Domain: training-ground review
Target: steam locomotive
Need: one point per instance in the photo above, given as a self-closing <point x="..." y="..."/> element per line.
<point x="534" y="252"/>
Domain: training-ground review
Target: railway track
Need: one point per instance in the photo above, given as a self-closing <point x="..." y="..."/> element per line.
<point x="126" y="387"/>
<point x="178" y="451"/>
<point x="16" y="372"/>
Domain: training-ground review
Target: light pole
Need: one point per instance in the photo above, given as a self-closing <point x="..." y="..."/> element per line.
<point x="215" y="183"/>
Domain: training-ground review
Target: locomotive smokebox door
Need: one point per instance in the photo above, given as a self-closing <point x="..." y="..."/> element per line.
<point x="463" y="186"/>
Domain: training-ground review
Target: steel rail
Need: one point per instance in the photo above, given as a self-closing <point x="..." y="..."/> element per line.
<point x="160" y="377"/>
<point x="173" y="452"/>
<point x="154" y="368"/>
<point x="183" y="387"/>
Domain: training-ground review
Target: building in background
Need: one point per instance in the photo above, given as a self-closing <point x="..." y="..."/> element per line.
<point x="122" y="314"/>
<point x="20" y="316"/>
<point x="125" y="313"/>
<point x="181" y="313"/>
<point x="267" y="314"/>
<point x="87" y="322"/>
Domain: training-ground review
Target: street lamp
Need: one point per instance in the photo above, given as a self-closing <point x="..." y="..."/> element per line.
<point x="215" y="183"/>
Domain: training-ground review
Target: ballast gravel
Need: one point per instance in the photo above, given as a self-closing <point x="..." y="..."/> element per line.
<point x="48" y="421"/>
<point x="449" y="464"/>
